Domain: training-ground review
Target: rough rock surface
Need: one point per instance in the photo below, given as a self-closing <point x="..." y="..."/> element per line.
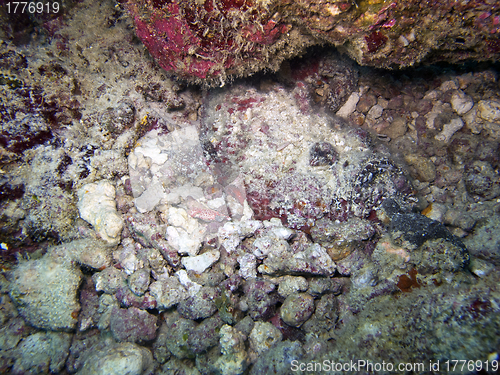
<point x="186" y="338"/>
<point x="89" y="252"/>
<point x="125" y="358"/>
<point x="279" y="360"/>
<point x="168" y="292"/>
<point x="42" y="353"/>
<point x="133" y="325"/>
<point x="297" y="308"/>
<point x="234" y="359"/>
<point x="97" y="206"/>
<point x="485" y="243"/>
<point x="209" y="41"/>
<point x="45" y="291"/>
<point x="264" y="336"/>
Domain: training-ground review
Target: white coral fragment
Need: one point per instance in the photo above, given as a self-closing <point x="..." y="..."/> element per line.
<point x="97" y="206"/>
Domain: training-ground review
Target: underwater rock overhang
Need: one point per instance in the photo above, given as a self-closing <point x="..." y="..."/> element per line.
<point x="213" y="40"/>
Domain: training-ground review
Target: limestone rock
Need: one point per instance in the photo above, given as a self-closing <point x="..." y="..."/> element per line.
<point x="461" y="102"/>
<point x="210" y="43"/>
<point x="297" y="308"/>
<point x="489" y="110"/>
<point x="97" y="206"/>
<point x="184" y="233"/>
<point x="125" y="358"/>
<point x="89" y="252"/>
<point x="426" y="171"/>
<point x="46" y="293"/>
<point x="200" y="263"/>
<point x="264" y="336"/>
<point x="168" y="292"/>
<point x="449" y="129"/>
<point x="42" y="352"/>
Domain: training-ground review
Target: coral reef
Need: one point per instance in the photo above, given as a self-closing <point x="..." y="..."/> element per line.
<point x="291" y="220"/>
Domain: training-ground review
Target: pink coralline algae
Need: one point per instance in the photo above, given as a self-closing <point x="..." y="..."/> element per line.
<point x="213" y="40"/>
<point x="375" y="40"/>
<point x="208" y="39"/>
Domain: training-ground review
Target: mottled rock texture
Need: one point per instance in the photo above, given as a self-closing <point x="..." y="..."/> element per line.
<point x="209" y="40"/>
<point x="45" y="293"/>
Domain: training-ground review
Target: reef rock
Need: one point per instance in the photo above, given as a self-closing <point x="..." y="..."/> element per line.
<point x="125" y="358"/>
<point x="185" y="337"/>
<point x="297" y="308"/>
<point x="423" y="246"/>
<point x="207" y="41"/>
<point x="133" y="325"/>
<point x="42" y="352"/>
<point x="45" y="291"/>
<point x="264" y="336"/>
<point x="97" y="206"/>
<point x="89" y="252"/>
<point x="234" y="359"/>
<point x="168" y="292"/>
<point x="167" y="166"/>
